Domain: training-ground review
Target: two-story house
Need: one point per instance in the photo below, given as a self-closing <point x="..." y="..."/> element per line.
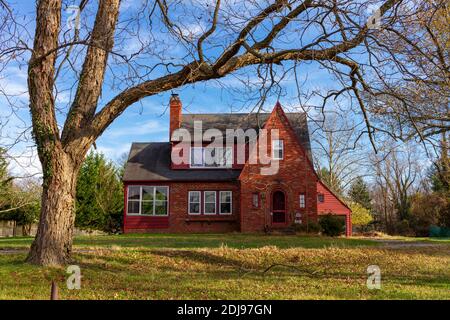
<point x="259" y="176"/>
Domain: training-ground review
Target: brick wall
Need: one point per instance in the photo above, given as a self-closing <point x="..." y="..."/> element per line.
<point x="295" y="176"/>
<point x="179" y="221"/>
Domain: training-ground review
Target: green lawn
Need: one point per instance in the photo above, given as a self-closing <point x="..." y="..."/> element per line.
<point x="230" y="267"/>
<point x="187" y="241"/>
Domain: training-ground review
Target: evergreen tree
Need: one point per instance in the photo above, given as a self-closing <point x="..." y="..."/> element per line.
<point x="359" y="193"/>
<point x="99" y="199"/>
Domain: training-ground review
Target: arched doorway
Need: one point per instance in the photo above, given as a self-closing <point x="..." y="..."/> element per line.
<point x="278" y="208"/>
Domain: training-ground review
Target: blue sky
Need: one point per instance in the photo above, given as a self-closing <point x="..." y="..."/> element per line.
<point x="148" y="120"/>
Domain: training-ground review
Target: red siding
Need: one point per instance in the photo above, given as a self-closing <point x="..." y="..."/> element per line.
<point x="333" y="205"/>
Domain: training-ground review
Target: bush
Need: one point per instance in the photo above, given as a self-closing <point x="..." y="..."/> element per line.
<point x="361" y="217"/>
<point x="332" y="225"/>
<point x="402" y="228"/>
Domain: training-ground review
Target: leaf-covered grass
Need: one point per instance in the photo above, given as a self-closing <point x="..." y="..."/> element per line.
<point x="232" y="240"/>
<point x="199" y="267"/>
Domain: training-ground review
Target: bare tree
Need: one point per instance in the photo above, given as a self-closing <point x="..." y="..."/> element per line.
<point x="409" y="93"/>
<point x="397" y="177"/>
<point x="174" y="43"/>
<point x="340" y="157"/>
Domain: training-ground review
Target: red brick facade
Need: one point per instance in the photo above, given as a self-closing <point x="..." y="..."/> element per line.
<point x="178" y="219"/>
<point x="259" y="201"/>
<point x="295" y="176"/>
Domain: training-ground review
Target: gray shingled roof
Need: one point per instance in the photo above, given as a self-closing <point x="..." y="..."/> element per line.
<point x="151" y="161"/>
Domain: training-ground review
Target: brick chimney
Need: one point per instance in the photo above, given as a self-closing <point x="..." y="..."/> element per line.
<point x="175" y="114"/>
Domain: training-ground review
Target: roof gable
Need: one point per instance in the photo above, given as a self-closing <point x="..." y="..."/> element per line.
<point x="297" y="120"/>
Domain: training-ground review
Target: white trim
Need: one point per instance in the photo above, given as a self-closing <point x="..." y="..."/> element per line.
<point x="273" y="149"/>
<point x="302" y="201"/>
<point x="231" y="202"/>
<point x="199" y="203"/>
<point x="257" y="200"/>
<point x="140" y="201"/>
<point x="203" y="166"/>
<point x="190" y="158"/>
<point x="204" y="203"/>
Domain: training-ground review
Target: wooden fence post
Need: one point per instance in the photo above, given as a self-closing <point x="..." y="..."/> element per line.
<point x="54" y="292"/>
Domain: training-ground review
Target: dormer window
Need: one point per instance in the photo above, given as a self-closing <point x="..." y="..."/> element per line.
<point x="211" y="157"/>
<point x="277" y="149"/>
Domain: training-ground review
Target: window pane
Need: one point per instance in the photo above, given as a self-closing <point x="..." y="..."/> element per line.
<point x="211" y="157"/>
<point x="210" y="208"/>
<point x="147" y="207"/>
<point x="133" y="207"/>
<point x="160" y="208"/>
<point x="225" y="208"/>
<point x="197" y="157"/>
<point x="228" y="156"/>
<point x="302" y="201"/>
<point x="280" y="154"/>
<point x="321" y="197"/>
<point x="194" y="196"/>
<point x="161" y="193"/>
<point x="255" y="200"/>
<point x="194" y="208"/>
<point x="277" y="144"/>
<point x="147" y="193"/>
<point x="134" y="193"/>
<point x="210" y="196"/>
<point x="277" y="149"/>
<point x="225" y="196"/>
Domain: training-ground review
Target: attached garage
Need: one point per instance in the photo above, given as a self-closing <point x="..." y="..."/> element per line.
<point x="328" y="202"/>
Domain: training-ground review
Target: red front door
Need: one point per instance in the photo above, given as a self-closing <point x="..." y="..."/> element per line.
<point x="278" y="208"/>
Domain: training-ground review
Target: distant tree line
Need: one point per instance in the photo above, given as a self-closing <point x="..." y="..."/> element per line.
<point x="99" y="197"/>
<point x="399" y="195"/>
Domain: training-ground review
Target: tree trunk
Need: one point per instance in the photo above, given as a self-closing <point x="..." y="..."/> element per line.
<point x="53" y="243"/>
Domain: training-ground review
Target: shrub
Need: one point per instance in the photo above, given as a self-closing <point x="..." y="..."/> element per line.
<point x="361" y="217"/>
<point x="332" y="225"/>
<point x="402" y="228"/>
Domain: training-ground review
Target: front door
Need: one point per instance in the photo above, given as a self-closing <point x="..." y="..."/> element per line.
<point x="278" y="208"/>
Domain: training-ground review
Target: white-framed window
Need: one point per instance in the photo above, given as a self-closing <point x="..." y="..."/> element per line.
<point x="211" y="157"/>
<point x="194" y="202"/>
<point x="225" y="202"/>
<point x="134" y="200"/>
<point x="209" y="205"/>
<point x="148" y="200"/>
<point x="255" y="200"/>
<point x="197" y="157"/>
<point x="277" y="149"/>
<point x="302" y="201"/>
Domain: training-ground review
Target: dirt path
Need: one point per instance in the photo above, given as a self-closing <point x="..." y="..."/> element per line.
<point x="394" y="244"/>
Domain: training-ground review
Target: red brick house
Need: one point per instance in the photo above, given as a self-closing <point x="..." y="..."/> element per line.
<point x="232" y="192"/>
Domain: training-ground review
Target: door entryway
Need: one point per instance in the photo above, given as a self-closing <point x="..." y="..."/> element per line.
<point x="278" y="208"/>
